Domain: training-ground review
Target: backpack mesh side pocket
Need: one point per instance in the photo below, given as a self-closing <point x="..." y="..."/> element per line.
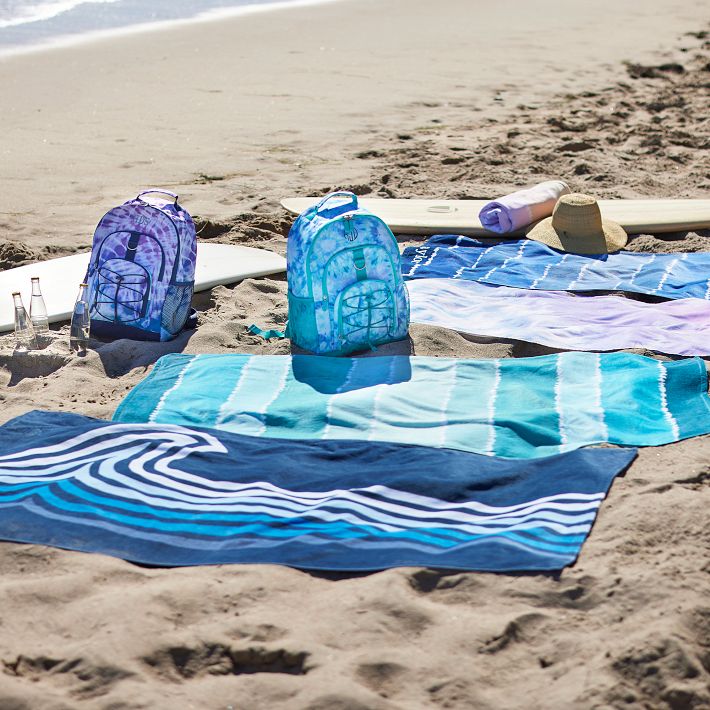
<point x="176" y="307"/>
<point x="302" y="327"/>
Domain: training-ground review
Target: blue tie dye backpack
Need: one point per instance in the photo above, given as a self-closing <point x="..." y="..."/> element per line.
<point x="142" y="270"/>
<point x="345" y="287"/>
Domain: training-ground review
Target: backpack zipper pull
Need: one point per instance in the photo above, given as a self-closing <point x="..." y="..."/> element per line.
<point x="350" y="231"/>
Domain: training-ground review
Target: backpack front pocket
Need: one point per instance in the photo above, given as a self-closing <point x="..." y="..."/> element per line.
<point x="365" y="314"/>
<point x="121" y="291"/>
<point x="356" y="292"/>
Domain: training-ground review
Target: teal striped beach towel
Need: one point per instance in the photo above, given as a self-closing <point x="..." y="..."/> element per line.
<point x="514" y="408"/>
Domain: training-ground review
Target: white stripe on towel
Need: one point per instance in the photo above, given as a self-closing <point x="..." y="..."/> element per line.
<point x="420" y="261"/>
<point x="342" y="388"/>
<point x="578" y="405"/>
<point x="558" y="405"/>
<point x="519" y="254"/>
<point x="586" y="266"/>
<point x="227" y="407"/>
<point x="443" y="429"/>
<point x="637" y="271"/>
<point x="168" y="392"/>
<point x="379" y="391"/>
<point x="491" y="442"/>
<point x="598" y="401"/>
<point x="662" y="375"/>
<point x="279" y="389"/>
<point x="667" y="272"/>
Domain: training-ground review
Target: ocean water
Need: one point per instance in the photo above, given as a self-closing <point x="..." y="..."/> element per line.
<point x="30" y="23"/>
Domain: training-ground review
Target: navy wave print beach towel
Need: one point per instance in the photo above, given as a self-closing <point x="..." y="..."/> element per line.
<point x="170" y="495"/>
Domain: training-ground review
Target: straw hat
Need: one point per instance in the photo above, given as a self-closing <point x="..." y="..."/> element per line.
<point x="577" y="226"/>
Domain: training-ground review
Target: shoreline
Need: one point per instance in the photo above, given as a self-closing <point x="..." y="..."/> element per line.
<point x="97" y="36"/>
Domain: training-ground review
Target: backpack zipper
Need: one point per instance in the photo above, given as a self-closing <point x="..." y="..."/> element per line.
<point x="351" y="235"/>
<point x="350" y="230"/>
<point x="176" y="263"/>
<point x="314" y="239"/>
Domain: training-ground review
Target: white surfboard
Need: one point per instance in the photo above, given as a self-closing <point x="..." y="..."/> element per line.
<point x="60" y="278"/>
<point x="461" y="216"/>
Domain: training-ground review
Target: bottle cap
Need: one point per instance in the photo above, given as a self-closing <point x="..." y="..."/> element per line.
<point x="34" y="278"/>
<point x="15" y="293"/>
<point x="83" y="284"/>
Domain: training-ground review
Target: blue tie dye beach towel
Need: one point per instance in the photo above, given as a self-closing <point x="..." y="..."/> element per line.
<point x="169" y="495"/>
<point x="516" y="408"/>
<point x="528" y="264"/>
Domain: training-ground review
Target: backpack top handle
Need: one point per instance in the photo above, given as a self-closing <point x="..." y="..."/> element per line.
<point x="348" y="206"/>
<point x="159" y="191"/>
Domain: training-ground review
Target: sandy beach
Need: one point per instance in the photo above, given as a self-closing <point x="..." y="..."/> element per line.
<point x="388" y="98"/>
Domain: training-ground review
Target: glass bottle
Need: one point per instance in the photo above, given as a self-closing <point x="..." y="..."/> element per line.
<point x="38" y="310"/>
<point x="79" y="334"/>
<point x="24" y="333"/>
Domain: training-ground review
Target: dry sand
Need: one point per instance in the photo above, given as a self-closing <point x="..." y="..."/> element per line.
<point x="393" y="98"/>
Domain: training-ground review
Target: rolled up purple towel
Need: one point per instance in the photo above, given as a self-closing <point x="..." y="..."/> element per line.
<point x="522" y="208"/>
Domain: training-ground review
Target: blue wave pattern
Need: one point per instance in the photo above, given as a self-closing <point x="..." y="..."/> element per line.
<point x="171" y="495"/>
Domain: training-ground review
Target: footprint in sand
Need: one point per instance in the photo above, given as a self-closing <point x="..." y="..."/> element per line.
<point x="185" y="662"/>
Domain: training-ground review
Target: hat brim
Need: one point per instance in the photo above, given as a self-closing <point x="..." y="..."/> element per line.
<point x="612" y="239"/>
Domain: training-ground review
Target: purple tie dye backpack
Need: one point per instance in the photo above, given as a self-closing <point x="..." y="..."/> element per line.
<point x="142" y="270"/>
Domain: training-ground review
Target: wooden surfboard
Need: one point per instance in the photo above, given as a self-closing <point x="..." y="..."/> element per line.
<point x="461" y="216"/>
<point x="59" y="278"/>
